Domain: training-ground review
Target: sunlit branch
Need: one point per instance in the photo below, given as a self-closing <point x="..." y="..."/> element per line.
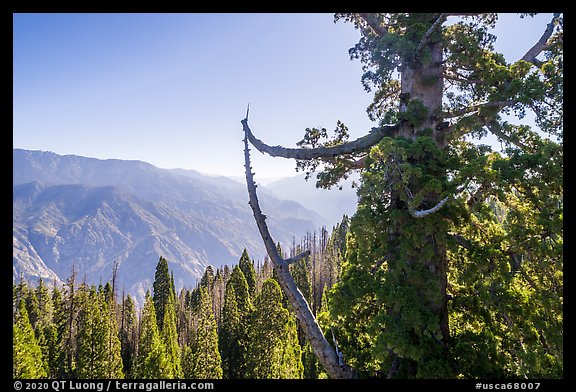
<point x="423" y="213"/>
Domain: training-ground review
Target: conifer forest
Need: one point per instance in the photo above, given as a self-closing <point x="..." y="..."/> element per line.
<point x="451" y="267"/>
<point x="235" y="323"/>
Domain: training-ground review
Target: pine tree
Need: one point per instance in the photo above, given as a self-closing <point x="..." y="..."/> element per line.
<point x="273" y="350"/>
<point x="26" y="355"/>
<point x="208" y="278"/>
<point x="152" y="360"/>
<point x="66" y="307"/>
<point x="240" y="284"/>
<point x="183" y="321"/>
<point x="301" y="275"/>
<point x="204" y="355"/>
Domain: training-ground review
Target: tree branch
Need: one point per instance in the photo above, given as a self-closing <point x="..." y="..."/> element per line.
<point x="359" y="145"/>
<point x="494" y="128"/>
<point x="542" y="43"/>
<point x="473" y="108"/>
<point x="441" y="19"/>
<point x="462" y="79"/>
<point x="372" y="22"/>
<point x="327" y="356"/>
<point x="463" y="242"/>
<point x="423" y="213"/>
<point x="297" y="258"/>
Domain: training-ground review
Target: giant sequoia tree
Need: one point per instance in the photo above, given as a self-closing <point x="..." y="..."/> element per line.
<point x="454" y="259"/>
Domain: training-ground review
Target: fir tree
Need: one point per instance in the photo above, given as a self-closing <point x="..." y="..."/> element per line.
<point x="204" y="356"/>
<point x="273" y="350"/>
<point x="228" y="338"/>
<point x="208" y="278"/>
<point x="170" y="338"/>
<point x="247" y="267"/>
<point x="92" y="338"/>
<point x="163" y="290"/>
<point x="152" y="360"/>
<point x="114" y="364"/>
<point x="218" y="289"/>
<point x="165" y="305"/>
<point x="58" y="367"/>
<point x="128" y="334"/>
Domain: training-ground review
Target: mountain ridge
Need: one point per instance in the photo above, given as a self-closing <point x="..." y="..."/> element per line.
<point x="92" y="213"/>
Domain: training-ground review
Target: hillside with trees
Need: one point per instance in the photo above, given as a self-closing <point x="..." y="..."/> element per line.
<point x="227" y="326"/>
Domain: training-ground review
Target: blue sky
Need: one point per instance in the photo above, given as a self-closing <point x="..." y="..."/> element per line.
<point x="171" y="89"/>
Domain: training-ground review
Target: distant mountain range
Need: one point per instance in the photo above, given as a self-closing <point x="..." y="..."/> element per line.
<point x="329" y="203"/>
<point x="90" y="213"/>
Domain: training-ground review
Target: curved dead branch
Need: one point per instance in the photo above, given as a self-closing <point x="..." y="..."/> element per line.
<point x="328" y="357"/>
<point x="356" y="146"/>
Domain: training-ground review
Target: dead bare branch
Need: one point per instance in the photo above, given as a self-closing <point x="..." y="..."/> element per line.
<point x="297" y="258"/>
<point x="356" y="146"/>
<point x="330" y="359"/>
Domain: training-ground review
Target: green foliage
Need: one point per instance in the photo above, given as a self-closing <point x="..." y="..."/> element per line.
<point x="165" y="306"/>
<point x="204" y="358"/>
<point x="163" y="290"/>
<point x="495" y="249"/>
<point x="128" y="334"/>
<point x="233" y="341"/>
<point x="26" y="354"/>
<point x="273" y="350"/>
<point x="170" y="339"/>
<point x="301" y="276"/>
<point x="247" y="267"/>
<point x="152" y="360"/>
<point x="336" y="168"/>
<point x="228" y="338"/>
<point x="415" y="113"/>
<point x="98" y="352"/>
